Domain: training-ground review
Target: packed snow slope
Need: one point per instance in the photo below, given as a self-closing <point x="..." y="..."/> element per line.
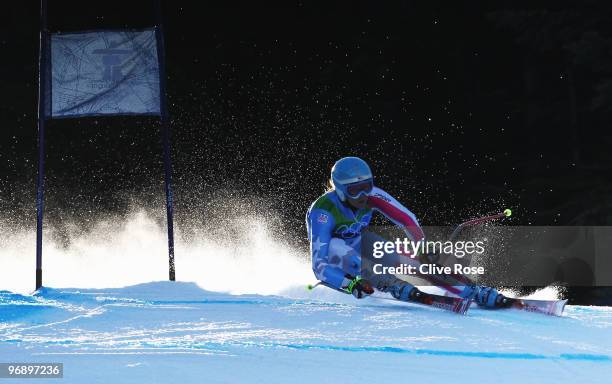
<point x="164" y="332"/>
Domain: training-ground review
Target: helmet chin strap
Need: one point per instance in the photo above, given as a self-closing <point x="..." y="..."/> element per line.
<point x="350" y="202"/>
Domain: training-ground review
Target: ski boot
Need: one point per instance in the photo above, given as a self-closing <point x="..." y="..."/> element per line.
<point x="488" y="297"/>
<point x="407" y="292"/>
<point x="403" y="291"/>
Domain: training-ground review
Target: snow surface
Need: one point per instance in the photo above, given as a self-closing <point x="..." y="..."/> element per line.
<point x="163" y="332"/>
<point x="266" y="328"/>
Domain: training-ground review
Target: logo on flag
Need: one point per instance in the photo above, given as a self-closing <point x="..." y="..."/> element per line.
<point x="103" y="73"/>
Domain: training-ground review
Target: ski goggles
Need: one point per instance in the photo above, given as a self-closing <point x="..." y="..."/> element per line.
<point x="360" y="188"/>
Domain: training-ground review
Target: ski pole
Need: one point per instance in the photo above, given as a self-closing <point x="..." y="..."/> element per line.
<point x="506" y="213"/>
<point x="310" y="287"/>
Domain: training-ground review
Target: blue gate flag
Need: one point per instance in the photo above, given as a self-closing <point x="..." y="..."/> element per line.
<point x="103" y="73"/>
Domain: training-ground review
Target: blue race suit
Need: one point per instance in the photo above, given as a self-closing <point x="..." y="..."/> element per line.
<point x="334" y="231"/>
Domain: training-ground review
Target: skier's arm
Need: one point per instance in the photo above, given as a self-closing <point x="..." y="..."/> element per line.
<point x="321" y="224"/>
<point x="397" y="213"/>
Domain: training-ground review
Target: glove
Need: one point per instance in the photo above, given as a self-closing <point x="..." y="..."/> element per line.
<point x="360" y="288"/>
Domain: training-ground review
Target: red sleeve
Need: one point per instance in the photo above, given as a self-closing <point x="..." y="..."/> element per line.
<point x="398" y="215"/>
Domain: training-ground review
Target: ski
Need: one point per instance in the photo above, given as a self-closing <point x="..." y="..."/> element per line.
<point x="453" y="304"/>
<point x="448" y="303"/>
<point x="547" y="307"/>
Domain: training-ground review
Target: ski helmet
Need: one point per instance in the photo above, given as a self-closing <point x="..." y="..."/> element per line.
<point x="351" y="177"/>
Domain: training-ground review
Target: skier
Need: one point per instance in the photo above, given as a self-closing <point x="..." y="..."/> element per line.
<point x="335" y="221"/>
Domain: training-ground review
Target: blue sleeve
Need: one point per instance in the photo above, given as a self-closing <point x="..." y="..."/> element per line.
<point x="320" y="226"/>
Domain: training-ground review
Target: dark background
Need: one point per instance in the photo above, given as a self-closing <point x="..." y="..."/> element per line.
<point x="461" y="110"/>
